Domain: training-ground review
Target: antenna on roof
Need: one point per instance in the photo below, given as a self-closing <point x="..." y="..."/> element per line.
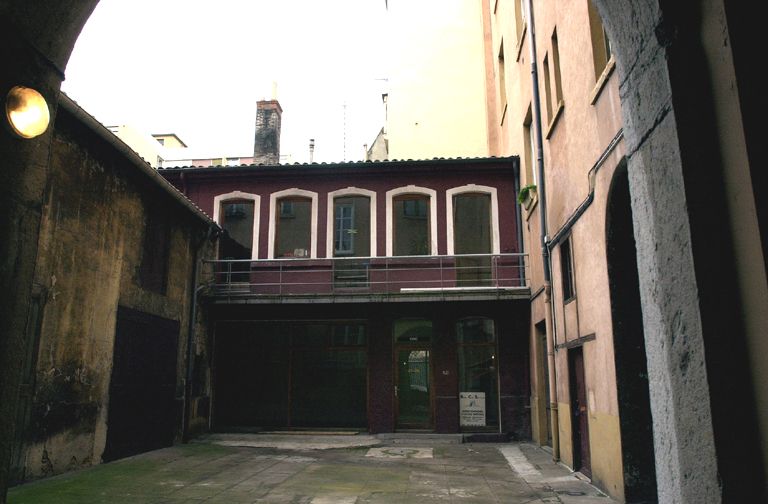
<point x="311" y="149"/>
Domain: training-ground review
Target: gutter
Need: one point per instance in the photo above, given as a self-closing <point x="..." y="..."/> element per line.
<point x="574" y="217"/>
<point x="67" y="104"/>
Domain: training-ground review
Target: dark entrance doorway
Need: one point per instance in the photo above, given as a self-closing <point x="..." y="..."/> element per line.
<point x="413" y="374"/>
<point x="142" y="410"/>
<point x="629" y="346"/>
<point x="579" y="412"/>
<point x="413" y="388"/>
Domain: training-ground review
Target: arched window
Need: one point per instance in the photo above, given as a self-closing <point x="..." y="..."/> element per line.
<point x="411" y="221"/>
<point x="293" y="224"/>
<point x="473" y="220"/>
<point x="237" y="213"/>
<point x="472" y="228"/>
<point x="351" y="223"/>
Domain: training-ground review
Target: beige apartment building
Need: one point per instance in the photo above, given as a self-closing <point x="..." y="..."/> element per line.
<point x="583" y="166"/>
<point x="436" y="99"/>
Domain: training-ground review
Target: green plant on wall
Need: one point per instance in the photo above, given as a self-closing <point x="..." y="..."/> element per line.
<point x="526" y="193"/>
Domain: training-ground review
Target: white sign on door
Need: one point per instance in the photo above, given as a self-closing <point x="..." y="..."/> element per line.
<point x="472" y="409"/>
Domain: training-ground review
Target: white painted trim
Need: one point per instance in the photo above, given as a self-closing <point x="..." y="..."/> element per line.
<point x="273" y="218"/>
<point x="473" y="188"/>
<point x="412" y="189"/>
<point x="350" y="191"/>
<point x="239" y="195"/>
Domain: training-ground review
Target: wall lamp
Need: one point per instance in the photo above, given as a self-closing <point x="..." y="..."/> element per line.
<point x="27" y="112"/>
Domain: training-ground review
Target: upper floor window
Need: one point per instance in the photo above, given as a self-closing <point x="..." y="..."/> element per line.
<point x="502" y="83"/>
<point x="294" y="227"/>
<point x="566" y="269"/>
<point x="293" y="224"/>
<point x="553" y="83"/>
<point x="352" y="226"/>
<point x="529" y="149"/>
<point x="473" y="232"/>
<point x="411" y="226"/>
<point x="520" y="22"/>
<point x="351" y="223"/>
<point x="601" y="46"/>
<point x="472" y="227"/>
<point x="236" y="213"/>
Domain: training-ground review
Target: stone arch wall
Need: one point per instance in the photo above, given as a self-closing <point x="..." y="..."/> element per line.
<point x="695" y="245"/>
<point x="683" y="435"/>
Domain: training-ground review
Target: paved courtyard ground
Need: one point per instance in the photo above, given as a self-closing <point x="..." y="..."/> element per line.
<point x="283" y="470"/>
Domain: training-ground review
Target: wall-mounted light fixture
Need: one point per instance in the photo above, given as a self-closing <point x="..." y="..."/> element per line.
<point x="27" y="112"/>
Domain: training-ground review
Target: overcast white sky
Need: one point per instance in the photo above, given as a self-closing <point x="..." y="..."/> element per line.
<point x="197" y="67"/>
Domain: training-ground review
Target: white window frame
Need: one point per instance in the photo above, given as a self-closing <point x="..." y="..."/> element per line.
<point x="473" y="188"/>
<point x="349" y="191"/>
<point x="273" y="199"/>
<point x="239" y="195"/>
<point x="412" y="189"/>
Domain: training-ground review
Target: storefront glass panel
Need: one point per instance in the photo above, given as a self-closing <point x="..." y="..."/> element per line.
<point x="478" y="374"/>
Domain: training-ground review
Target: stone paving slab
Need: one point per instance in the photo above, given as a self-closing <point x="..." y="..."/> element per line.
<point x="235" y="473"/>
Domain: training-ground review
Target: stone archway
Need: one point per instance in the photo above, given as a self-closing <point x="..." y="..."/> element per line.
<point x="629" y="346"/>
<point x="698" y="246"/>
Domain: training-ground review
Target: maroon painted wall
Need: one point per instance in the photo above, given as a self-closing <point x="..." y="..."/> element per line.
<point x="201" y="185"/>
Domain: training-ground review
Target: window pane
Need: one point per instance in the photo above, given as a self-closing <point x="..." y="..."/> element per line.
<point x="237" y="222"/>
<point x="413" y="331"/>
<point x="477" y="373"/>
<point x="478" y="330"/>
<point x="348" y="335"/>
<point x="294" y="227"/>
<point x="352" y="226"/>
<point x="411" y="225"/>
<point x="328" y="388"/>
<point x="311" y="335"/>
<point x="566" y="269"/>
<point x="472" y="235"/>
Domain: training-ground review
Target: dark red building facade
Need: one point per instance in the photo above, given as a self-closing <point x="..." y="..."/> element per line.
<point x="378" y="296"/>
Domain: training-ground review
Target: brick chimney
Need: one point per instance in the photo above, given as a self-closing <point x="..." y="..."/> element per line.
<point x="266" y="146"/>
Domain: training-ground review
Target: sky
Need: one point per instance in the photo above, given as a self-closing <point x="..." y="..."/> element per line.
<point x="196" y="68"/>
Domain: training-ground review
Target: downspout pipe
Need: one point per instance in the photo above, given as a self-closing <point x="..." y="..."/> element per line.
<point x="576" y="215"/>
<point x="542" y="192"/>
<point x="211" y="233"/>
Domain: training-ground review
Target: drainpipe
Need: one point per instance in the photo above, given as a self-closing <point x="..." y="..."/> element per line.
<point x="210" y="234"/>
<point x="543" y="235"/>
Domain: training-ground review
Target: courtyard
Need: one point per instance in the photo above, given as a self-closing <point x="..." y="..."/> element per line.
<point x="320" y="469"/>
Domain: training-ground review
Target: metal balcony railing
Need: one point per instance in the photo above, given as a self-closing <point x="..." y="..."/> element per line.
<point x="365" y="275"/>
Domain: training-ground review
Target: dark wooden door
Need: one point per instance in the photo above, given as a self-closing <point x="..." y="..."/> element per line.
<point x="579" y="412"/>
<point x="143" y="414"/>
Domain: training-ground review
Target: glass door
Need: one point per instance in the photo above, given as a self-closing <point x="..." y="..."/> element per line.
<point x="413" y="388"/>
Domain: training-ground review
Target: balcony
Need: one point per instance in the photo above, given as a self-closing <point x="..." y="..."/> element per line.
<point x="367" y="279"/>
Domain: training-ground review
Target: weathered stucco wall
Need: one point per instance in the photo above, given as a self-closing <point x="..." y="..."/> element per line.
<point x="569" y="155"/>
<point x="91" y="245"/>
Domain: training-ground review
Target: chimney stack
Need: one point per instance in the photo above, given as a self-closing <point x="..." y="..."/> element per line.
<point x="266" y="147"/>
